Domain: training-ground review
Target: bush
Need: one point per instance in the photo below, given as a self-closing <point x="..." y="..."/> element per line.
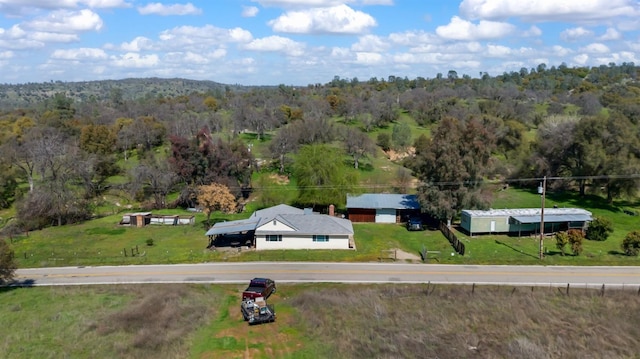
<point x="573" y="237"/>
<point x="599" y="229"/>
<point x="576" y="238"/>
<point x="149" y="242"/>
<point x="384" y="141"/>
<point x="562" y="238"/>
<point x="631" y="243"/>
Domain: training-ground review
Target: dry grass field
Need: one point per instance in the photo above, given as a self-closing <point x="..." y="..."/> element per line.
<point x="319" y="321"/>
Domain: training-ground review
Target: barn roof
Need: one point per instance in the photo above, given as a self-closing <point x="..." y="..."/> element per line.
<point x="383" y="200"/>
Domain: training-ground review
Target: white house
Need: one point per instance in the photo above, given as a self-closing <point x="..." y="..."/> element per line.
<point x="286" y="227"/>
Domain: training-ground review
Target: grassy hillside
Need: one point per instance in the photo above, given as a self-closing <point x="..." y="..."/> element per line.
<point x="319" y="321"/>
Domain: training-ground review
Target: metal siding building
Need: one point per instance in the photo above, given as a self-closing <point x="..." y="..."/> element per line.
<point x="382" y="207"/>
<point x="523" y="220"/>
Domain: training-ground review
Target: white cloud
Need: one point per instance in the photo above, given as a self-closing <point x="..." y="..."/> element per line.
<point x="533" y="31"/>
<point x="414" y="38"/>
<point x="188" y="57"/>
<point x="371" y="43"/>
<point x="459" y="29"/>
<point x="339" y="19"/>
<point x="628" y="25"/>
<point x="576" y="33"/>
<point x="133" y="60"/>
<point x="82" y="53"/>
<point x="581" y="59"/>
<point x="138" y="44"/>
<point x="277" y="44"/>
<point x="249" y="11"/>
<point x="13" y="33"/>
<point x="368" y="58"/>
<point x="167" y="10"/>
<point x="549" y="10"/>
<point x="205" y="36"/>
<point x="53" y="37"/>
<point x="560" y="51"/>
<point x="65" y="21"/>
<point x="6" y="54"/>
<point x="498" y="51"/>
<point x="26" y="7"/>
<point x="610" y="34"/>
<point x="105" y="3"/>
<point x="595" y="48"/>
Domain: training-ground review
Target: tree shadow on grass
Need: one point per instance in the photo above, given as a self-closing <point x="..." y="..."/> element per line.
<point x="515" y="249"/>
<point x="558" y="253"/>
<point x="4" y="288"/>
<point x="587" y="201"/>
<point x="617" y="253"/>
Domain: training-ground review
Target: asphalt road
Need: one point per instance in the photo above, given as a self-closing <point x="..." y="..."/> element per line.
<point x="299" y="272"/>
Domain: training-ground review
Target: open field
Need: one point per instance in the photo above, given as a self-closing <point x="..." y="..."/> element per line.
<point x="319" y="321"/>
<point x="103" y="242"/>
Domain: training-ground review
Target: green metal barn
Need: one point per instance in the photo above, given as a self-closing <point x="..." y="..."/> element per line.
<point x="523" y="221"/>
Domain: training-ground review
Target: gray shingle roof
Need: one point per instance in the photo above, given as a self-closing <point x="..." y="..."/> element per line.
<point x="303" y="223"/>
<point x="383" y="200"/>
<point x="313" y="224"/>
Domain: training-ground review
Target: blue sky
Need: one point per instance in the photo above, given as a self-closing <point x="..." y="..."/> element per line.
<point x="300" y="42"/>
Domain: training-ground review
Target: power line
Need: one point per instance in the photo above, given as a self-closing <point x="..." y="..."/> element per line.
<point x="457" y="183"/>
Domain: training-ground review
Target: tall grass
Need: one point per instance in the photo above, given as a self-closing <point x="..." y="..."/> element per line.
<point x="319" y="321"/>
<point x="460" y="322"/>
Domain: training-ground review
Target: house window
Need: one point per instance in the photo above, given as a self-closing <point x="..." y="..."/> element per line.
<point x="274" y="238"/>
<point x="320" y="238"/>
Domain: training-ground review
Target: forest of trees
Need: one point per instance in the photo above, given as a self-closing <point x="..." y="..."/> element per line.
<point x="60" y="155"/>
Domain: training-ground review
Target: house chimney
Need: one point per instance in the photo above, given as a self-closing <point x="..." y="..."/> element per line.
<point x="332" y="210"/>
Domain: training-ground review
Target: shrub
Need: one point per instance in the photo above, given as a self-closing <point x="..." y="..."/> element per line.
<point x="599" y="229"/>
<point x="631" y="243"/>
<point x="149" y="242"/>
<point x="562" y="238"/>
<point x="576" y="238"/>
<point x="384" y="141"/>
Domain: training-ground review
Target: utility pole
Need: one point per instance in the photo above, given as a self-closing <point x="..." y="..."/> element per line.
<point x="542" y="190"/>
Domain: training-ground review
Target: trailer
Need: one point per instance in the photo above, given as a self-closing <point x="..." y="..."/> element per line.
<point x="257" y="311"/>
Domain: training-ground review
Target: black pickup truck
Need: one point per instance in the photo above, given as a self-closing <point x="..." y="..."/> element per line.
<point x="259" y="287"/>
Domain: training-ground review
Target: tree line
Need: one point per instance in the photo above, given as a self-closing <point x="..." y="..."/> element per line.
<point x="61" y="155"/>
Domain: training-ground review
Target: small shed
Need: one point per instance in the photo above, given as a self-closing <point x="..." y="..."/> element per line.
<point x="382" y="207"/>
<point x="141" y="219"/>
<point x="523" y="220"/>
<point x="138" y="219"/>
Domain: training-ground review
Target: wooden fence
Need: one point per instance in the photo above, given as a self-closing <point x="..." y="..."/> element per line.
<point x="453" y="239"/>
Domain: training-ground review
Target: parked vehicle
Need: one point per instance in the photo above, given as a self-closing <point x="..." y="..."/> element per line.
<point x="257" y="311"/>
<point x="414" y="224"/>
<point x="259" y="287"/>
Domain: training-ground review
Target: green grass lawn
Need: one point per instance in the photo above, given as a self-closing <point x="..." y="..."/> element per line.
<point x="104" y="242"/>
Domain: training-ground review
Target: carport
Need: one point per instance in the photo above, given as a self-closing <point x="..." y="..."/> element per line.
<point x="233" y="233"/>
<point x="553" y="222"/>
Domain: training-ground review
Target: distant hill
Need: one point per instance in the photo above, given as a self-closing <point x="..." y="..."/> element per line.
<point x="30" y="94"/>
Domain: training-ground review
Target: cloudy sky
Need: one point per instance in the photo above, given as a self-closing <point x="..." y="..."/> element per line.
<point x="299" y="42"/>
